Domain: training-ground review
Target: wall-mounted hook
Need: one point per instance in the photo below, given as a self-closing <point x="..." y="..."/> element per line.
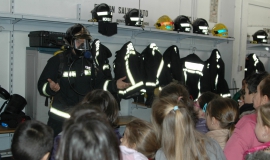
<point x="194" y="49"/>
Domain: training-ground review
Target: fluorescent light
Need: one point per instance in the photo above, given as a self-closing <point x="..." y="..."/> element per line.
<point x="267" y="48"/>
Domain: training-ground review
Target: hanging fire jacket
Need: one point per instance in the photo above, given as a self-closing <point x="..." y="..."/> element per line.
<point x="171" y="59"/>
<point x="253" y="65"/>
<point x="155" y="73"/>
<point x="216" y="68"/>
<point x="78" y="77"/>
<point x="128" y="62"/>
<point x="100" y="55"/>
<point x="194" y="75"/>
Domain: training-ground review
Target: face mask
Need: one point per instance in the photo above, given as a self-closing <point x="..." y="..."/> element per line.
<point x="81" y="46"/>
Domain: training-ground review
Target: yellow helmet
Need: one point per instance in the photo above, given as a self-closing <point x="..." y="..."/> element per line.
<point x="220" y="30"/>
<point x="165" y="23"/>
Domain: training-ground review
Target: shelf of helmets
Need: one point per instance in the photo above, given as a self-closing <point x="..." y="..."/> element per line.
<point x="16" y="22"/>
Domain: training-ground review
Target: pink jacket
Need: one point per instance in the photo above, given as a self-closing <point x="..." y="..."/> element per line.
<point x="242" y="139"/>
<point x="131" y="154"/>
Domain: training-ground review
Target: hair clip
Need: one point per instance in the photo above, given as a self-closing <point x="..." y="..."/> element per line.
<point x="204" y="107"/>
<point x="175" y="108"/>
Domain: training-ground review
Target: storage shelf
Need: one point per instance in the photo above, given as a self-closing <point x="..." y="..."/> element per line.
<point x="22" y="23"/>
<point x="259" y="47"/>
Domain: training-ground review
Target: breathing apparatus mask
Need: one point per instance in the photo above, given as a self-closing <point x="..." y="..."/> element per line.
<point x="79" y="38"/>
<point x="82" y="47"/>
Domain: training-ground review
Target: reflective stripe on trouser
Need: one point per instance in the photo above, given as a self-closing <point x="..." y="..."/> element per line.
<point x="59" y="113"/>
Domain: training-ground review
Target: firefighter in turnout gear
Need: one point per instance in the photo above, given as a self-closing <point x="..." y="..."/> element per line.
<point x="70" y="75"/>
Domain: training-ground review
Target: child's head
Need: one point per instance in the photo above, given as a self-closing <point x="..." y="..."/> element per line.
<point x="174" y="127"/>
<point x="252" y="82"/>
<point x="222" y="113"/>
<point x="106" y="101"/>
<point x="87" y="134"/>
<point x="176" y="92"/>
<point x="32" y="140"/>
<point x="263" y="93"/>
<point x="205" y="98"/>
<point x="262" y="129"/>
<point x="140" y="135"/>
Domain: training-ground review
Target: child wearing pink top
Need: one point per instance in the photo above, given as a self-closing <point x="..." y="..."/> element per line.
<point x="243" y="137"/>
<point x="139" y="141"/>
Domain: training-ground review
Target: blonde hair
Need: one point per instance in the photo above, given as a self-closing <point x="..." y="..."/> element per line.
<point x="264" y="112"/>
<point x="226" y="111"/>
<point x="173" y="92"/>
<point x="142" y="134"/>
<point x="176" y="132"/>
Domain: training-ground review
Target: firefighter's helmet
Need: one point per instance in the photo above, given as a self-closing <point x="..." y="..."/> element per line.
<point x="220" y="30"/>
<point x="77" y="31"/>
<point x="182" y="24"/>
<point x="164" y="23"/>
<point x="132" y="18"/>
<point x="200" y="26"/>
<point x="102" y="12"/>
<point x="260" y="37"/>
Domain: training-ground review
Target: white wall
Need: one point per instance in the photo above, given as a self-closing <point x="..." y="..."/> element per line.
<point x="250" y="16"/>
<point x="229" y="13"/>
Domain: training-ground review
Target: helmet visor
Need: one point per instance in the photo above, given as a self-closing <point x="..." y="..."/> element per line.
<point x="81" y="44"/>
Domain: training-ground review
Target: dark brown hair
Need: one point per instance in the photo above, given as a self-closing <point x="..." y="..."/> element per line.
<point x="206" y="97"/>
<point x="88" y="135"/>
<point x="106" y="102"/>
<point x="32" y="140"/>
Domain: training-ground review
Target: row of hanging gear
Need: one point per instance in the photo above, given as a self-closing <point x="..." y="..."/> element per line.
<point x="151" y="70"/>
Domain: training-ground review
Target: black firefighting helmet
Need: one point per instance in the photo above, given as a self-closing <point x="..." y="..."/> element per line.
<point x="200" y="26"/>
<point x="182" y="24"/>
<point x="260" y="36"/>
<point x="77" y="31"/>
<point x="132" y="18"/>
<point x="102" y="12"/>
